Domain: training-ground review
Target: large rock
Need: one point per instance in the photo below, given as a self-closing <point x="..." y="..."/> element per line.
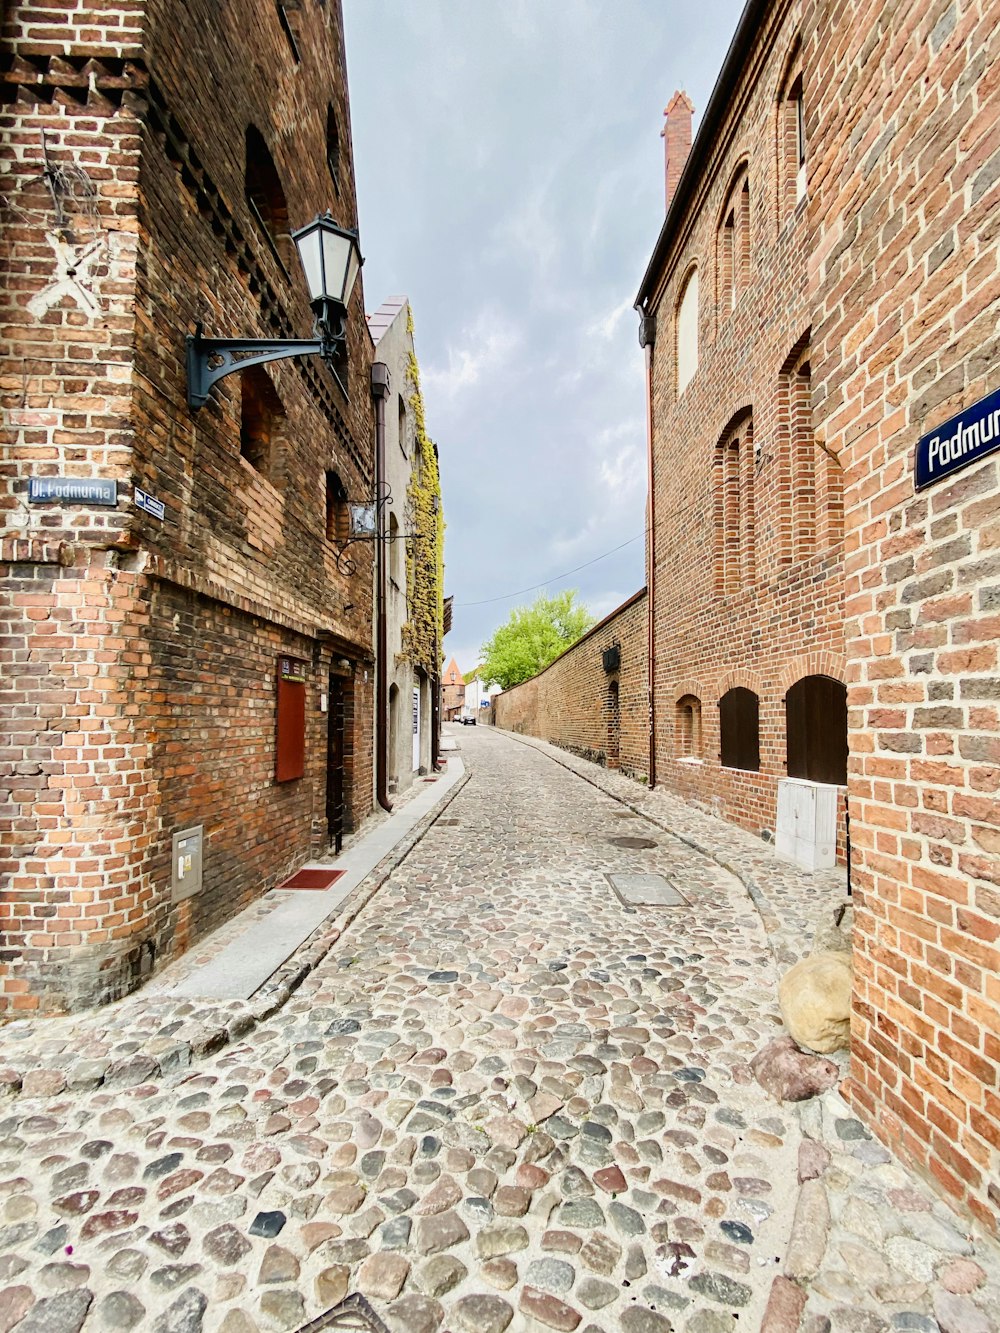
<point x="790" y="1074"/>
<point x="815" y="999"/>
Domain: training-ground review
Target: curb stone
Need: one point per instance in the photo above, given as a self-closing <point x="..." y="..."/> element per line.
<point x="175" y="1044"/>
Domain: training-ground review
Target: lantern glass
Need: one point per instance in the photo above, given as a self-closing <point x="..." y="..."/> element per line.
<point x="330" y="260"/>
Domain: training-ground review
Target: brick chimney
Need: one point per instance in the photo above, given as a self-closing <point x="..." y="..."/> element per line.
<point x="676" y="134"/>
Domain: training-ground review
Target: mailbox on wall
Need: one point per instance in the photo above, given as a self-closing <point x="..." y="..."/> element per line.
<point x="290" y="749"/>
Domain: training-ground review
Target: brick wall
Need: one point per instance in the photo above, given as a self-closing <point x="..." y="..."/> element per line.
<point x="576" y="704"/>
<point x="139" y="656"/>
<point x="904" y="196"/>
<point x="746" y="548"/>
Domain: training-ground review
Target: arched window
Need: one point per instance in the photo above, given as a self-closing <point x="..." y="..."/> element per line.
<point x="734" y="246"/>
<point x="733" y="486"/>
<point x="687" y="727"/>
<point x="262" y="420"/>
<point x="266" y="198"/>
<point x="333" y="147"/>
<point x="337" y="517"/>
<point x="687" y="332"/>
<point x="739" y="729"/>
<point x="816" y="730"/>
<point x="791" y="137"/>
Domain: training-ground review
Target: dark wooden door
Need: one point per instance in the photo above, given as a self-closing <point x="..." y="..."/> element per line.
<point x="335" y="784"/>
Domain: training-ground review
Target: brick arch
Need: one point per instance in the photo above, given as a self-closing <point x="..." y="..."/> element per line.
<point x="819" y="662"/>
<point x="740" y="678"/>
<point x="742" y="169"/>
<point x="683" y="687"/>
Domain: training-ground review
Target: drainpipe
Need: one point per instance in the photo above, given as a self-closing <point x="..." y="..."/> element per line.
<point x="380" y="392"/>
<point x="647" y="335"/>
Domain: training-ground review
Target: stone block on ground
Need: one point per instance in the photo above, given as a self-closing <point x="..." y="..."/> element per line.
<point x="790" y="1074"/>
<point x="815" y="1000"/>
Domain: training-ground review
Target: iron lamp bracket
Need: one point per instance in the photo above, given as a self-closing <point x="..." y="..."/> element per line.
<point x="212" y="359"/>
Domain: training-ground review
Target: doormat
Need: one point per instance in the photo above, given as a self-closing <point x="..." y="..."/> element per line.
<point x="312" y="879"/>
<point x="646" y="891"/>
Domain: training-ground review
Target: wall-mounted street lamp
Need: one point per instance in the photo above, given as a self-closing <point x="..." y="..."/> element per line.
<point x="330" y="259"/>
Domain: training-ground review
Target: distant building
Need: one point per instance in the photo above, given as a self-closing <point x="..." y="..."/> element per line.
<point x="452" y="692"/>
<point x="187" y="663"/>
<point x="412" y="523"/>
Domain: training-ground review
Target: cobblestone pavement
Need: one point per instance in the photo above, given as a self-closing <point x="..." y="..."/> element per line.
<point x="501" y="1099"/>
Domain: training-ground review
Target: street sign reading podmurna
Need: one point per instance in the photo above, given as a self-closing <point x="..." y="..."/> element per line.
<point x="963" y="440"/>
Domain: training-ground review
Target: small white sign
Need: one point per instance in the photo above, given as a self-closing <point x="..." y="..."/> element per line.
<point x="149" y="504"/>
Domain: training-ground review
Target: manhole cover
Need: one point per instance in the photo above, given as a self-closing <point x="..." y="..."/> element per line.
<point x="646" y="891"/>
<point x="353" y="1312"/>
<point x="636" y="844"/>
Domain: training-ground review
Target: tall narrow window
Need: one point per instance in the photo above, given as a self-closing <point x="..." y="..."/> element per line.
<point x="791" y="137"/>
<point x="805" y="488"/>
<point x="333" y="147"/>
<point x="739" y="730"/>
<point x="262" y="420"/>
<point x="403" y="426"/>
<point x="337" y="518"/>
<point x="687" y="332"/>
<point x="733" y="487"/>
<point x="734" y="245"/>
<point x="816" y="730"/>
<point x="266" y="198"/>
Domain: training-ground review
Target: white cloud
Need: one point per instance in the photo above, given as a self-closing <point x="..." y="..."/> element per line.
<point x="484" y="348"/>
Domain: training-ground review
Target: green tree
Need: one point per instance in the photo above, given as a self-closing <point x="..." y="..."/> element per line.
<point x="533" y="637"/>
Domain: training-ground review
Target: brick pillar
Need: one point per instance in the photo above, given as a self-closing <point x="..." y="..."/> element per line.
<point x="676" y="134"/>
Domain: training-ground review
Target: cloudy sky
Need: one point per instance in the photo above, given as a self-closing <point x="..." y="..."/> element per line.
<point x="510" y="182"/>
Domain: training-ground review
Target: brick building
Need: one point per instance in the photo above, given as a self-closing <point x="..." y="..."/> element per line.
<point x="158" y="155"/>
<point x="823" y="296"/>
<point x="592" y="699"/>
<point x="452" y="692"/>
<point x="745" y="546"/>
<point x="411" y="572"/>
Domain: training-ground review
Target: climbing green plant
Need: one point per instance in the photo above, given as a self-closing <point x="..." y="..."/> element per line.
<point x="423" y="633"/>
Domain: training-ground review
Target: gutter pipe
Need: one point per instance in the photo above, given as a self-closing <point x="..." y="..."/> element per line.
<point x="380" y="392"/>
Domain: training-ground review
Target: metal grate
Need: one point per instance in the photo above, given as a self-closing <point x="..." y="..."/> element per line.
<point x="352" y="1312"/>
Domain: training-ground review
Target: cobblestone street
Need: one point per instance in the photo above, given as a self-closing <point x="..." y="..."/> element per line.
<point x="503" y="1099"/>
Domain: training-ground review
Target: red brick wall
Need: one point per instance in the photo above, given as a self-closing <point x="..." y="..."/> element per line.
<point x="143" y="694"/>
<point x="747" y="546"/>
<point x="904" y="199"/>
<point x="570" y="702"/>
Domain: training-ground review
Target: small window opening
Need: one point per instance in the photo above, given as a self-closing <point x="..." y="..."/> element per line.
<point x="688" y="727"/>
<point x="337" y="516"/>
<point x="333" y="147"/>
<point x="262" y="418"/>
<point x="266" y="198"/>
<point x="403" y="427"/>
<point x="287" y="21"/>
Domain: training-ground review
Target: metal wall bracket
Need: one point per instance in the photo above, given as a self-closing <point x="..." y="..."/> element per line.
<point x="211" y="359"/>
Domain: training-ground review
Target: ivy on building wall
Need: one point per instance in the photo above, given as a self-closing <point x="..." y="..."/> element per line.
<point x="423" y="633"/>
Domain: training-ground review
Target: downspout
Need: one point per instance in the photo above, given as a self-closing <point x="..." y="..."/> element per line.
<point x="647" y="335"/>
<point x="380" y="392"/>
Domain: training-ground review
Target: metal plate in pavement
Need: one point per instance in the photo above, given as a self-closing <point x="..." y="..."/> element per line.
<point x="646" y="891"/>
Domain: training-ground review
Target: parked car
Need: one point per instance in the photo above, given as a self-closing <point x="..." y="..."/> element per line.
<point x="468" y="719"/>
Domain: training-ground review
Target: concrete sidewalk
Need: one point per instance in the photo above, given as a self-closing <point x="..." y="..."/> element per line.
<point x="230" y="981"/>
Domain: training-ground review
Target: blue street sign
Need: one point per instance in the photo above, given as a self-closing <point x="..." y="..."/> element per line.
<point x="149" y="504"/>
<point x="75" y="490"/>
<point x="963" y="440"/>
